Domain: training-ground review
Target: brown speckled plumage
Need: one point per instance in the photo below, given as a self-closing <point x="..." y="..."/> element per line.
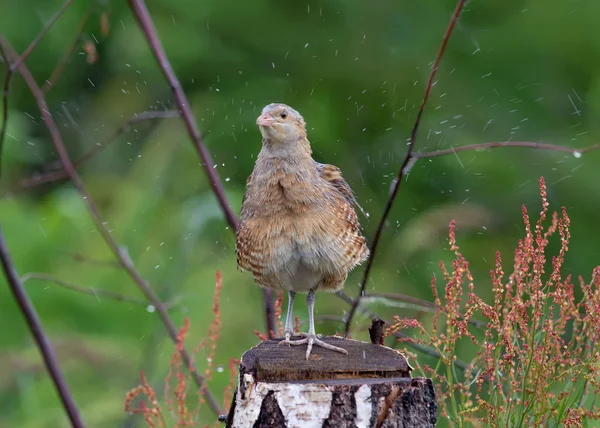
<point x="298" y="227"/>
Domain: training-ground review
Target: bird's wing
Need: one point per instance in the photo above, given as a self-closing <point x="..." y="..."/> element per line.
<point x="248" y="180"/>
<point x="241" y="230"/>
<point x="333" y="175"/>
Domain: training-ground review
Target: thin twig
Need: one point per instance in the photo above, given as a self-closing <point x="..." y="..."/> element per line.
<point x="421" y="348"/>
<point x="60" y="66"/>
<point x="59" y="174"/>
<point x="96" y="292"/>
<point x="41" y="339"/>
<point x="119" y="253"/>
<point x="144" y="19"/>
<point x="95" y="262"/>
<point x="5" y="90"/>
<point x="418" y="302"/>
<point x="11" y="67"/>
<point x="23" y="57"/>
<point x="407" y="157"/>
<point x="524" y="144"/>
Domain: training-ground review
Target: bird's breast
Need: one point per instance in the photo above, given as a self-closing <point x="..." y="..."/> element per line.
<point x="294" y="230"/>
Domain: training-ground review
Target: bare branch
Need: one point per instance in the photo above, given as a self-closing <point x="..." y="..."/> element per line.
<point x="421" y="348"/>
<point x="96" y="292"/>
<point x="141" y="13"/>
<point x="407" y="157"/>
<point x="11" y="67"/>
<point x="15" y="64"/>
<point x="5" y="91"/>
<point x="419" y="303"/>
<point x="119" y="253"/>
<point x="41" y="339"/>
<point x="60" y="66"/>
<point x="59" y="174"/>
<point x="524" y="144"/>
<point x="78" y="257"/>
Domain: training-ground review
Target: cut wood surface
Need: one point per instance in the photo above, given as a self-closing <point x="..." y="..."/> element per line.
<point x="369" y="387"/>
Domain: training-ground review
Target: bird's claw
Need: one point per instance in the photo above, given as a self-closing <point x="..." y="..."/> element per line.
<point x="314" y="340"/>
<point x="310" y="340"/>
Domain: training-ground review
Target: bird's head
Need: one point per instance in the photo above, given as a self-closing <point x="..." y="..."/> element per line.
<point x="279" y="123"/>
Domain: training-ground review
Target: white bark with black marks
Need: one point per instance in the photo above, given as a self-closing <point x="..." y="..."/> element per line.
<point x="369" y="387"/>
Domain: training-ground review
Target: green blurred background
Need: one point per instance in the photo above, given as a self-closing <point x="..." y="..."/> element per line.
<point x="514" y="70"/>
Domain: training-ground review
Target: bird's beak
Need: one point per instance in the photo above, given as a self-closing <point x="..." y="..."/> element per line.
<point x="265" y="120"/>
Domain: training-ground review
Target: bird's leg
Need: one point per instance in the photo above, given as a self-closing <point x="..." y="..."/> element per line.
<point x="289" y="331"/>
<point x="312" y="338"/>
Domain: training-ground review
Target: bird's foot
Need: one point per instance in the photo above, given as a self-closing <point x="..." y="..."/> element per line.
<point x="314" y="340"/>
<point x="311" y="340"/>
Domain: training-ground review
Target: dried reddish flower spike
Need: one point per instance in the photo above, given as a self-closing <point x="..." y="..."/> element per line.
<point x="178" y="377"/>
<point x="538" y="357"/>
<point x="278" y="306"/>
<point x="261" y="336"/>
<point x="153" y="413"/>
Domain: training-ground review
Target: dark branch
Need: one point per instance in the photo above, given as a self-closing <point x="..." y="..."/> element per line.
<point x="407" y="157"/>
<point x="141" y="13"/>
<point x="119" y="253"/>
<point x="143" y="16"/>
<point x="42" y="341"/>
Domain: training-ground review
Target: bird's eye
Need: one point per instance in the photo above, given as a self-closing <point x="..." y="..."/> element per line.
<point x="283" y="114"/>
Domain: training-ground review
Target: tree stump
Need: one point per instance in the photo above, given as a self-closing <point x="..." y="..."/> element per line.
<point x="369" y="387"/>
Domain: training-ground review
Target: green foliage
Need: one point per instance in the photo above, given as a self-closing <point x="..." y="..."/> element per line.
<point x="519" y="70"/>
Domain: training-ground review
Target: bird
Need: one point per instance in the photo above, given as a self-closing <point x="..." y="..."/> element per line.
<point x="298" y="229"/>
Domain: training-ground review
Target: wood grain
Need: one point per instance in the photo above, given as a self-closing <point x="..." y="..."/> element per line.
<point x="269" y="362"/>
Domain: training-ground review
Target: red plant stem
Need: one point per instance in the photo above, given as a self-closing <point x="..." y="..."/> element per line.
<point x="41" y="339"/>
<point x="407" y="157"/>
<point x="119" y="253"/>
<point x="141" y="13"/>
